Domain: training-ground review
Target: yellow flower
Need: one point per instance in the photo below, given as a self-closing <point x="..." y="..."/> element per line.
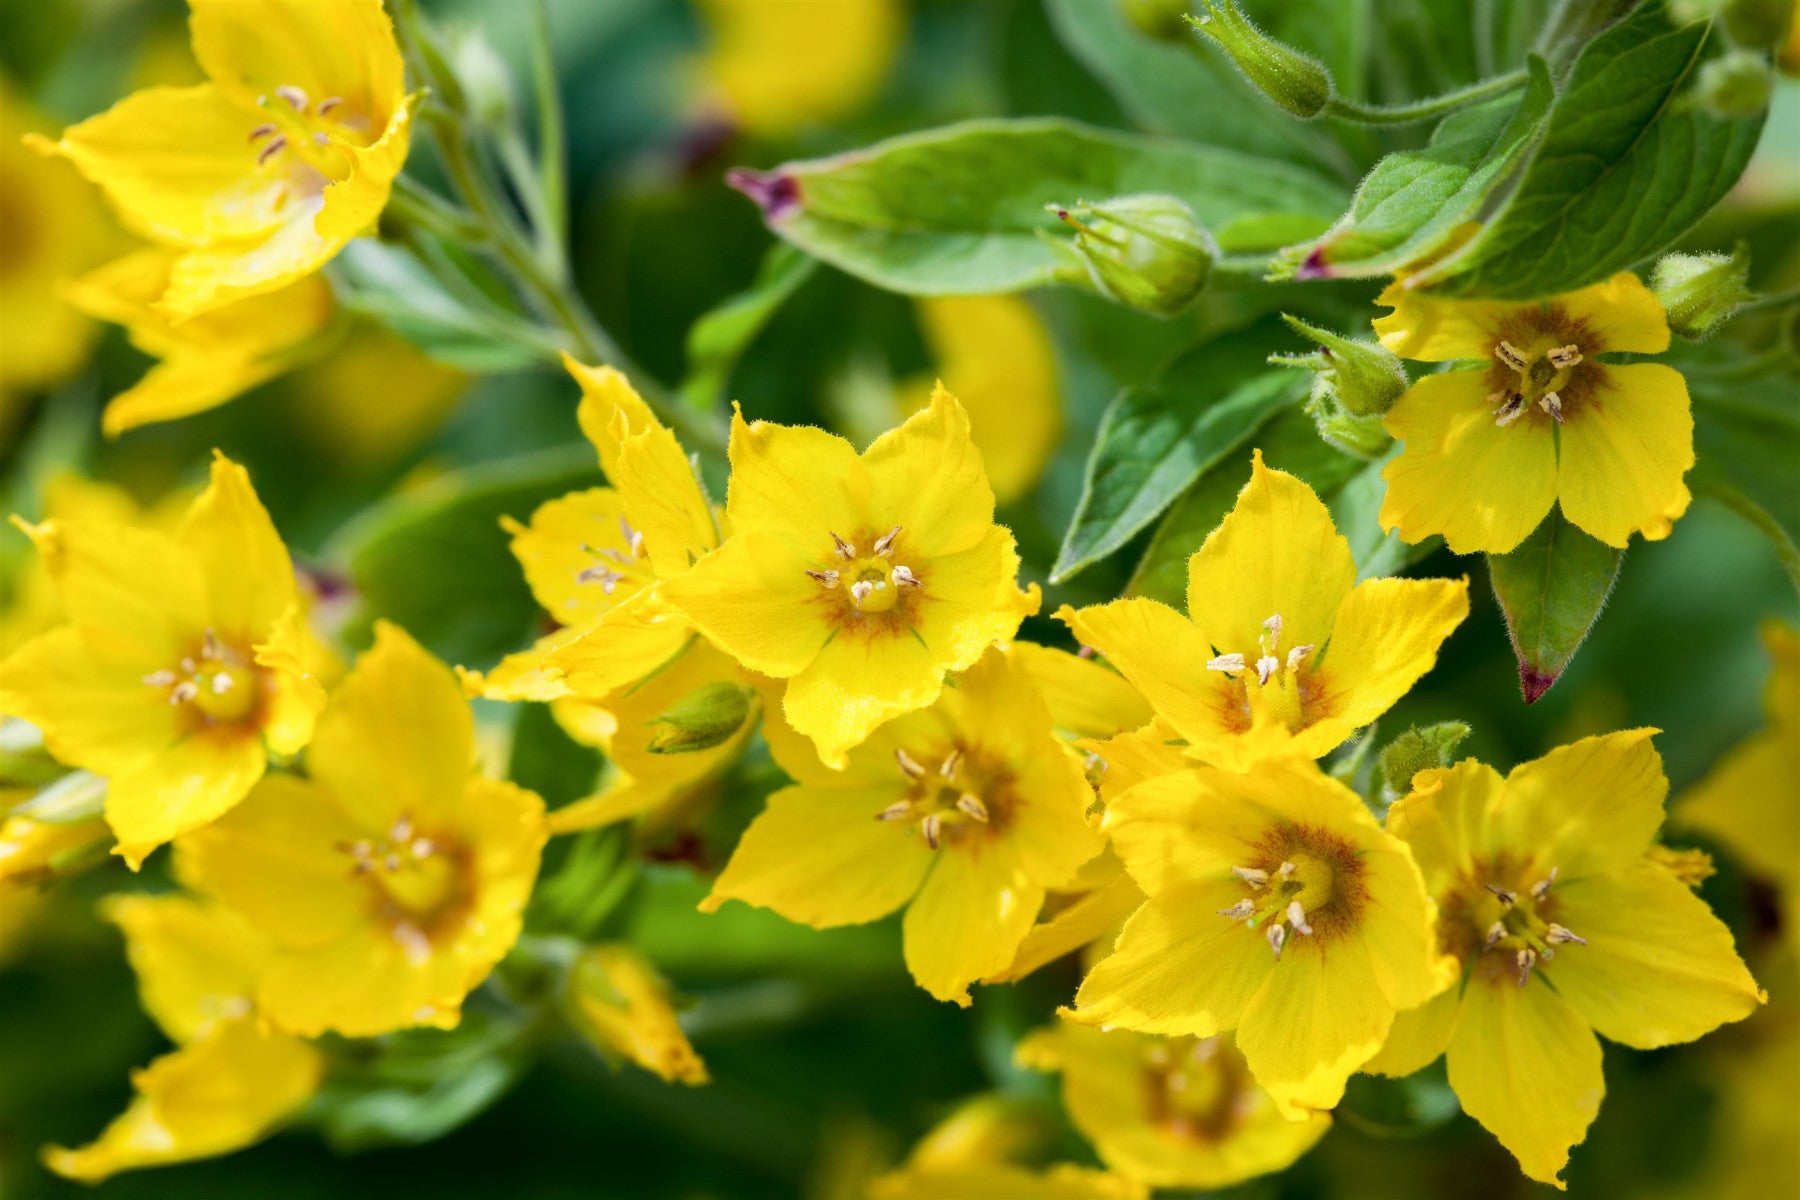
<point x="231" y="1082"/>
<point x="780" y="65"/>
<point x="1280" y="653"/>
<point x="392" y="880"/>
<point x="1565" y="927"/>
<point x="184" y="656"/>
<point x="53" y="229"/>
<point x="1278" y="907"/>
<point x="622" y="1005"/>
<point x="974" y="1153"/>
<point x="1543" y="421"/>
<point x="968" y="810"/>
<point x="416" y="392"/>
<point x="33" y="852"/>
<point x="1173" y="1112"/>
<point x="861" y="580"/>
<point x="260" y="176"/>
<point x="205" y="360"/>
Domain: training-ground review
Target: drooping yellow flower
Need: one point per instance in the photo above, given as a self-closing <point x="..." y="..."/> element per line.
<point x="1565" y="927"/>
<point x="186" y="660"/>
<point x="392" y="880"/>
<point x="777" y="66"/>
<point x="205" y="360"/>
<point x="1173" y="1112"/>
<point x="1489" y="451"/>
<point x="966" y="812"/>
<point x="622" y="1005"/>
<point x="231" y="1082"/>
<point x="261" y="175"/>
<point x="977" y="1153"/>
<point x="1282" y="650"/>
<point x="1278" y="907"/>
<point x="862" y="580"/>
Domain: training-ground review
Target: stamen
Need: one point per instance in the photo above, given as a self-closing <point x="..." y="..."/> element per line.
<point x="1296" y="654"/>
<point x="1297" y="917"/>
<point x="970" y="805"/>
<point x="262" y="131"/>
<point x="634" y="538"/>
<point x="221" y="683"/>
<point x="1495" y="932"/>
<point x="1541" y="888"/>
<point x="423" y="848"/>
<point x="1286" y="870"/>
<point x="828" y="578"/>
<point x="401" y="831"/>
<point x="1277" y="935"/>
<point x="1564" y="357"/>
<point x="329" y="103"/>
<point x="885" y="542"/>
<point x="1527" y="958"/>
<point x="1559" y="934"/>
<point x="1226" y="662"/>
<point x="184" y="691"/>
<point x="909" y="766"/>
<point x="320" y="139"/>
<point x="1509" y="412"/>
<point x="1272" y="627"/>
<point x="894" y="811"/>
<point x="1552" y="404"/>
<point x="844" y="549"/>
<point x="271" y="150"/>
<point x="606" y="577"/>
<point x="903" y="577"/>
<point x="951" y="765"/>
<point x="294" y="96"/>
<point x="162" y="678"/>
<point x="1266" y="666"/>
<point x="1240" y="911"/>
<point x="1507" y="898"/>
<point x="413" y="940"/>
<point x="930" y="827"/>
<point x="210" y="647"/>
<point x="1251" y="876"/>
<point x="860" y="592"/>
<point x="189" y="665"/>
<point x="391" y="862"/>
<point x="1512" y="356"/>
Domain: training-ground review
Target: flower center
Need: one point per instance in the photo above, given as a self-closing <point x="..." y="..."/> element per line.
<point x="871" y="583"/>
<point x="1278" y="678"/>
<point x="946" y="804"/>
<point x="416" y="885"/>
<point x="1543" y="371"/>
<point x="217" y="683"/>
<point x="1314" y="888"/>
<point x="1521" y="936"/>
<point x="616" y="564"/>
<point x="296" y="127"/>
<point x="1192" y="1088"/>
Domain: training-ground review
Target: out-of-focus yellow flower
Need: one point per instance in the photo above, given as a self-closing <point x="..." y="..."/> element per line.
<point x="966" y="812"/>
<point x="183" y="657"/>
<point x="1565" y="927"/>
<point x="1173" y="1112"/>
<point x="972" y="1154"/>
<point x="1282" y="650"/>
<point x="261" y="175"/>
<point x="996" y="356"/>
<point x="1750" y="802"/>
<point x="231" y="1082"/>
<point x="391" y="880"/>
<point x="18" y="913"/>
<point x="1278" y="907"/>
<point x="416" y="393"/>
<point x="622" y="1004"/>
<point x="205" y="360"/>
<point x="32" y="851"/>
<point x="51" y="228"/>
<point x="862" y="580"/>
<point x="1488" y="452"/>
<point x="776" y="66"/>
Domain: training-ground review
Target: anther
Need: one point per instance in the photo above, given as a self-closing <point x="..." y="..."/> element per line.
<point x="909" y="766"/>
<point x="606" y="577"/>
<point x="1272" y="627"/>
<point x="1286" y="870"/>
<point x="1511" y="355"/>
<point x="860" y="591"/>
<point x="828" y="578"/>
<point x="634" y="538"/>
<point x="162" y="678"/>
<point x="1559" y="934"/>
<point x="391" y="862"/>
<point x="329" y="103"/>
<point x="894" y="811"/>
<point x="1507" y="898"/>
<point x="1240" y="911"/>
<point x="903" y="577"/>
<point x="1297" y="917"/>
<point x="1495" y="932"/>
<point x="1251" y="876"/>
<point x="1277" y="935"/>
<point x="1509" y="412"/>
<point x="320" y="139"/>
<point x="1266" y="666"/>
<point x="1296" y="654"/>
<point x="423" y="848"/>
<point x="1564" y="357"/>
<point x="1552" y="404"/>
<point x="1526" y="958"/>
<point x="844" y="549"/>
<point x="221" y="683"/>
<point x="271" y="150"/>
<point x="401" y="831"/>
<point x="262" y="131"/>
<point x="1541" y="888"/>
<point x="184" y="691"/>
<point x="929" y="827"/>
<point x="210" y="646"/>
<point x="885" y="542"/>
<point x="294" y="96"/>
<point x="970" y="805"/>
<point x="1226" y="662"/>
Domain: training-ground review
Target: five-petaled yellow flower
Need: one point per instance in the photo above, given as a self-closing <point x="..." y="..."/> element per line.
<point x="1565" y="927"/>
<point x="1489" y="451"/>
<point x="389" y="882"/>
<point x="1174" y="1112"/>
<point x="862" y="580"/>
<point x="966" y="812"/>
<point x="261" y="175"/>
<point x="1278" y="907"/>
<point x="1282" y="650"/>
<point x="230" y="1081"/>
<point x="184" y="656"/>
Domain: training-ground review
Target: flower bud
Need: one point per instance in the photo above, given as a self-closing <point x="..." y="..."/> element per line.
<point x="1354" y="384"/>
<point x="1758" y="24"/>
<point x="1700" y="292"/>
<point x="1737" y="84"/>
<point x="1164" y="20"/>
<point x="1418" y="749"/>
<point x="1297" y="82"/>
<point x="1146" y="252"/>
<point x="704" y="718"/>
<point x="486" y="82"/>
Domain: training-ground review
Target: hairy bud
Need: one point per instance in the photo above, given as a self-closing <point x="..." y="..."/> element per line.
<point x="1700" y="292"/>
<point x="1297" y="82"/>
<point x="704" y="718"/>
<point x="1147" y="252"/>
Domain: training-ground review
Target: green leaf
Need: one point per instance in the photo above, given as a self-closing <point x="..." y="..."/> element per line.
<point x="1628" y="162"/>
<point x="1551" y="590"/>
<point x="437" y="562"/>
<point x="960" y="210"/>
<point x="719" y="338"/>
<point x="1156" y="440"/>
<point x="1410" y="205"/>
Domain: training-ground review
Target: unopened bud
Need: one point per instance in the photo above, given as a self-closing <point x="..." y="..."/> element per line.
<point x="1420" y="749"/>
<point x="1354" y="384"/>
<point x="1700" y="292"/>
<point x="704" y="718"/>
<point x="1737" y="84"/>
<point x="1146" y="252"/>
<point x="1297" y="82"/>
<point x="1758" y="24"/>
<point x="1164" y="20"/>
<point x="486" y="82"/>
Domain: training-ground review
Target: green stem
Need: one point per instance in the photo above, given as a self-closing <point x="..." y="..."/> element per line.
<point x="1423" y="110"/>
<point x="1785" y="550"/>
<point x="1768" y="300"/>
<point x="553" y="155"/>
<point x="424" y="208"/>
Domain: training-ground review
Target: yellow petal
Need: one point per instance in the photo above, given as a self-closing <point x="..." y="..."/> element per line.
<point x="1625" y="448"/>
<point x="92" y="714"/>
<point x="1086" y="699"/>
<point x="972" y="600"/>
<point x="1131" y="758"/>
<point x="193" y="782"/>
<point x="969" y="917"/>
<point x="180" y="388"/>
<point x="1658" y="967"/>
<point x="622" y="1004"/>
<point x="1275" y="553"/>
<point x="1385" y="639"/>
<point x="855" y="684"/>
<point x="1320" y="1016"/>
<point x="663" y="500"/>
<point x="1427" y="329"/>
<point x="1094" y="915"/>
<point x="1524" y="1063"/>
<point x="795" y="483"/>
<point x="343" y="49"/>
<point x="1193" y="826"/>
<point x="126" y="612"/>
<point x="1590" y="806"/>
<point x="196" y="963"/>
<point x="300" y="668"/>
<point x="1482" y="486"/>
<point x="249" y="577"/>
<point x="763" y="58"/>
<point x="1750" y="802"/>
<point x="1620" y="314"/>
<point x="1451" y="822"/>
<point x="525" y="674"/>
<point x="626" y="645"/>
<point x="222" y="1093"/>
<point x="1179" y="967"/>
<point x="819" y="856"/>
<point x="927" y="477"/>
<point x="1418" y="1036"/>
<point x="753" y="599"/>
<point x="352" y="204"/>
<point x="607" y="395"/>
<point x="567" y="539"/>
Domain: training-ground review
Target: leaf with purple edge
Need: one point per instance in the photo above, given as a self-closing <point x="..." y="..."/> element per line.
<point x="1552" y="589"/>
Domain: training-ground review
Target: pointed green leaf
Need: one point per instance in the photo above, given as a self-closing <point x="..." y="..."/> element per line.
<point x="1551" y="590"/>
<point x="719" y="338"/>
